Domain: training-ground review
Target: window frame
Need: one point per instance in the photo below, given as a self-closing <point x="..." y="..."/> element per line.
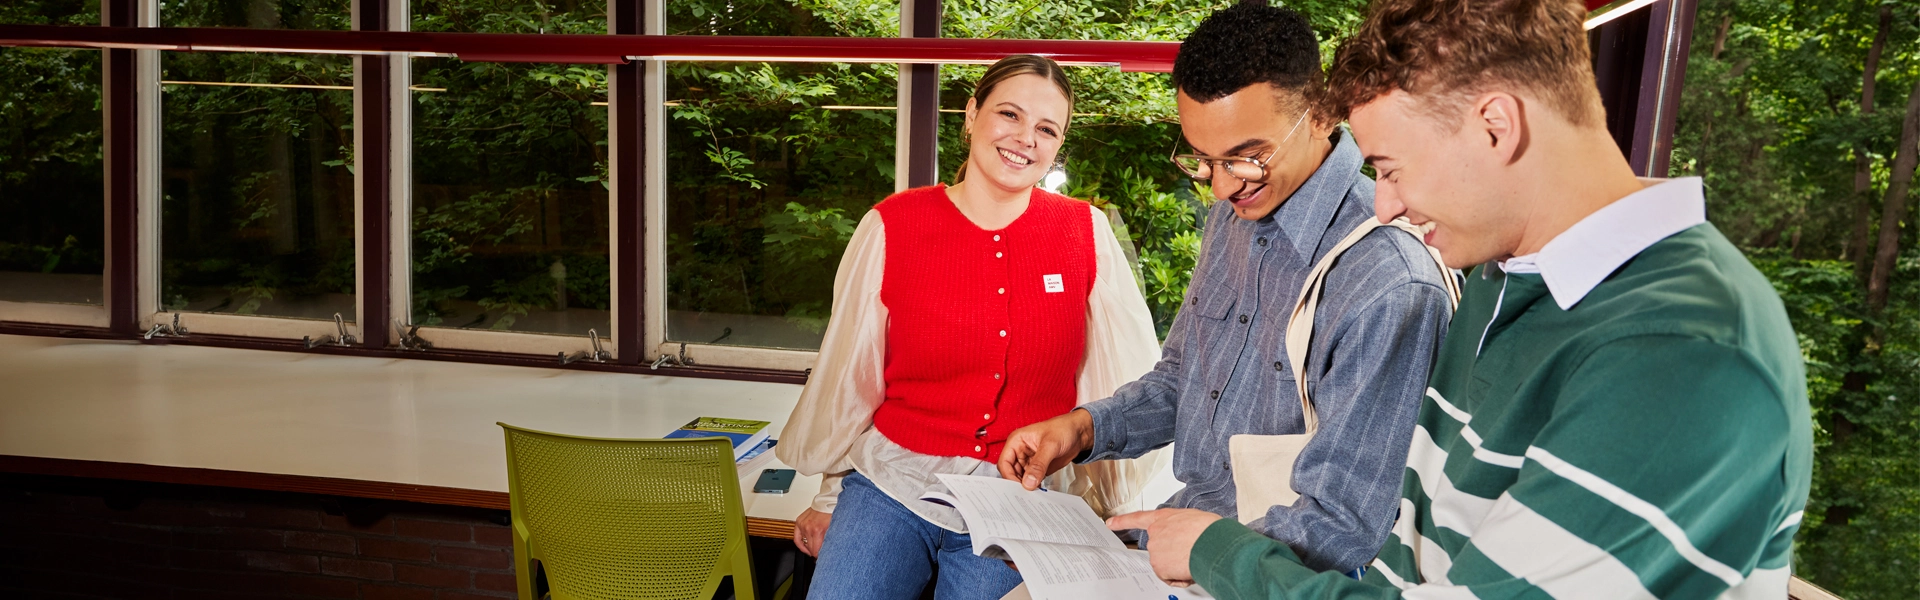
<point x="132" y="39"/>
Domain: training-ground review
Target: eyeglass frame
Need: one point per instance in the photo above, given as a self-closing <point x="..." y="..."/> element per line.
<point x="1227" y="160"/>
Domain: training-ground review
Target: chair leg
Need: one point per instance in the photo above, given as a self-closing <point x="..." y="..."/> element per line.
<point x="743" y="583"/>
<point x="523" y="566"/>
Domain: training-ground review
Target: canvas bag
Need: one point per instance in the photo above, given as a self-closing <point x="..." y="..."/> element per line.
<point x="1263" y="464"/>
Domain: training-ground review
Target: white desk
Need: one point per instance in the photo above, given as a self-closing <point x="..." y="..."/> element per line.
<point x="405" y="422"/>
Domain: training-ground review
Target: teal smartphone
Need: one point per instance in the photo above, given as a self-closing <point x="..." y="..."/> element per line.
<point x="773" y="481"/>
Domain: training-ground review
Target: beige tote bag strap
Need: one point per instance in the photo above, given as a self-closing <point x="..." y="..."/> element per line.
<point x="1300" y="325"/>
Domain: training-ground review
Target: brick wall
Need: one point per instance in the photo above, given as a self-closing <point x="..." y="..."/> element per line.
<point x="78" y="538"/>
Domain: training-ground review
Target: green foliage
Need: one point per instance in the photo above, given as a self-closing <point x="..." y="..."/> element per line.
<point x="510" y="175"/>
<point x="1865" y="504"/>
<point x="770" y="167"/>
<point x="50" y="148"/>
<point x="1771" y="120"/>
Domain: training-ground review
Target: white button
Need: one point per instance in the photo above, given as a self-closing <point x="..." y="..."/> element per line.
<point x="1003" y="333"/>
<point x="998" y="255"/>
<point x="996" y="238"/>
<point x="987" y="416"/>
<point x="976" y="448"/>
<point x="996" y="375"/>
<point x="1003" y="290"/>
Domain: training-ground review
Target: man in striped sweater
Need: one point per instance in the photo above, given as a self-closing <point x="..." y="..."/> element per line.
<point x="1619" y="410"/>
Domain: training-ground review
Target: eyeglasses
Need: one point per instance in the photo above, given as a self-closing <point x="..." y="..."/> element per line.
<point x="1248" y="170"/>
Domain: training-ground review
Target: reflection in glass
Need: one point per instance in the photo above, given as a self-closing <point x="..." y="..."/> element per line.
<point x="769" y="168"/>
<point x="52" y="192"/>
<point x="510" y="217"/>
<point x="257" y="209"/>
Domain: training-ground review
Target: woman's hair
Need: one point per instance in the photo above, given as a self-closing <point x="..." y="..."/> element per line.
<point x="1009" y="68"/>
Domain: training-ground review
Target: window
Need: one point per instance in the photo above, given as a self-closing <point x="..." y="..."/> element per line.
<point x="257" y="201"/>
<point x="768" y="169"/>
<point x="52" y="191"/>
<point x="510" y="217"/>
<point x="480" y="197"/>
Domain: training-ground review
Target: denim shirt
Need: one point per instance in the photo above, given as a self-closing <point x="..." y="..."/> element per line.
<point x="1224" y="371"/>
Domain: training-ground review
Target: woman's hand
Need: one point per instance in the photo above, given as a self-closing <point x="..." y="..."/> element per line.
<point x="810" y="530"/>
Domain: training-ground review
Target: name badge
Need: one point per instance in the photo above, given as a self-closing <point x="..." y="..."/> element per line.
<point x="1054" y="284"/>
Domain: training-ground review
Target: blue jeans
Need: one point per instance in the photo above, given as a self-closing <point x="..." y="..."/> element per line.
<point x="877" y="549"/>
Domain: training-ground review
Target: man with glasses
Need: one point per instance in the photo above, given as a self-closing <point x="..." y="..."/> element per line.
<point x="1290" y="190"/>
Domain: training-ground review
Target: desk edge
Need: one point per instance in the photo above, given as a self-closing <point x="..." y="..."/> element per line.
<point x="304" y="484"/>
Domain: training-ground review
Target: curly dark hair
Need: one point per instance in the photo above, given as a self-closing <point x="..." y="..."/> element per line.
<point x="1446" y="52"/>
<point x="1245" y="44"/>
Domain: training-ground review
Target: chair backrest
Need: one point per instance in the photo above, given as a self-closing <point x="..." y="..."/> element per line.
<point x="614" y="518"/>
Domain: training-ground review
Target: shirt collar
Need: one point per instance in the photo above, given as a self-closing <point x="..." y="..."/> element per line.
<point x="1577" y="260"/>
<point x="1306" y="215"/>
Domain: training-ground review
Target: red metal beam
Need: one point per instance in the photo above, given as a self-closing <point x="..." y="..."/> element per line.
<point x="598" y="49"/>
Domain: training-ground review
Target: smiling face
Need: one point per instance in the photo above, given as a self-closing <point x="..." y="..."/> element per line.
<point x="1450" y="179"/>
<point x="1016" y="132"/>
<point x="1254" y="123"/>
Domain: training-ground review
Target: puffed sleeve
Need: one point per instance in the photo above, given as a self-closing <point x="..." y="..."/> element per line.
<point x="848" y="379"/>
<point x="1121" y="346"/>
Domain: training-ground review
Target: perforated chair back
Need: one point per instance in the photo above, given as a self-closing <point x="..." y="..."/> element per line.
<point x="626" y="519"/>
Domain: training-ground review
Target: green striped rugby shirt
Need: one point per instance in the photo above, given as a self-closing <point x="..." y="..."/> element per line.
<point x="1649" y="439"/>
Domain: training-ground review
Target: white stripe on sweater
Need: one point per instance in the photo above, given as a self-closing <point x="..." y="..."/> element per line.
<point x="1645" y="510"/>
<point x="1791" y="521"/>
<point x="1451" y="508"/>
<point x="1466" y="432"/>
<point x="1762" y="584"/>
<point x="1381" y="567"/>
<point x="1531" y="547"/>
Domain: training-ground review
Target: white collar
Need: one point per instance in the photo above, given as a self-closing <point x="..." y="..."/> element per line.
<point x="1578" y="259"/>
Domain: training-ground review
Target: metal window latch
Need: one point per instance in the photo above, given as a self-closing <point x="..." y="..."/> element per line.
<point x="162" y="330"/>
<point x="598" y="355"/>
<point x="410" y="337"/>
<point x="342" y="339"/>
<point x="674" y="361"/>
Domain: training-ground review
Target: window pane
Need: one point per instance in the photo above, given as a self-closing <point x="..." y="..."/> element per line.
<point x="50" y="12"/>
<point x="510" y="219"/>
<point x="511" y="16"/>
<point x="257" y="205"/>
<point x="783" y="17"/>
<point x="769" y="167"/>
<point x="52" y="192"/>
<point x="257" y="14"/>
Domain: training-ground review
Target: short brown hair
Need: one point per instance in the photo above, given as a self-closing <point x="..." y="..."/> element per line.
<point x="1448" y="51"/>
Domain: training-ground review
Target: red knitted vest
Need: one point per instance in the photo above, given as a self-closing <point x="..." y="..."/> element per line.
<point x="987" y="329"/>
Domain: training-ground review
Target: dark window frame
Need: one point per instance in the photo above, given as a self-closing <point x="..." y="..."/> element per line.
<point x="1640" y="59"/>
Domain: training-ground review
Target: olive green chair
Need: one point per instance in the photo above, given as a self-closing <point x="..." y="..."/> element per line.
<point x="626" y="519"/>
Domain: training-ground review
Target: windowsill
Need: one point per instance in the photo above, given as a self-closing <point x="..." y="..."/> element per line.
<point x="541" y="360"/>
<point x="355" y="418"/>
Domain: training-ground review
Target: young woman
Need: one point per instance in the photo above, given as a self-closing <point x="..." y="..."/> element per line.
<point x="962" y="313"/>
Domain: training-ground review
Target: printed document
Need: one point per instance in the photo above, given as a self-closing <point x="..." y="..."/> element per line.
<point x="1063" y="550"/>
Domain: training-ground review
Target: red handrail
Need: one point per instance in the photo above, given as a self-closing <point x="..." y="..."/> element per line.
<point x="597" y="49"/>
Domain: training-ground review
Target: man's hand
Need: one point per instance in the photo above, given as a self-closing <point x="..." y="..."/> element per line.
<point x="1034" y="451"/>
<point x="1171" y="533"/>
<point x="810" y="530"/>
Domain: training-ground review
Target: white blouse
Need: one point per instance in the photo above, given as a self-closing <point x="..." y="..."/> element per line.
<point x="831" y="430"/>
